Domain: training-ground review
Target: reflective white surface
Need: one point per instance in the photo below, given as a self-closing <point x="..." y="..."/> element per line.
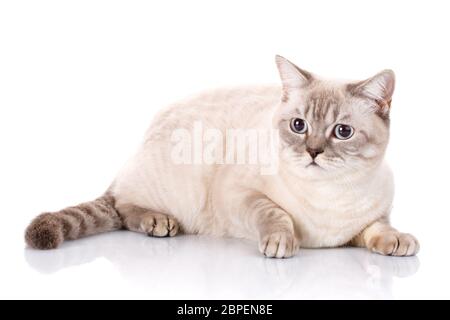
<point x="128" y="265"/>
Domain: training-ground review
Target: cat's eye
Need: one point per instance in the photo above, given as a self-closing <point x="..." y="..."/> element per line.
<point x="299" y="125"/>
<point x="343" y="131"/>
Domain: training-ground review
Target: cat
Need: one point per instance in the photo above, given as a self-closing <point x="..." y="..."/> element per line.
<point x="331" y="186"/>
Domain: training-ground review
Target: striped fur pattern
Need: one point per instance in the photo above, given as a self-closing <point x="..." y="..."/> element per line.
<point x="49" y="230"/>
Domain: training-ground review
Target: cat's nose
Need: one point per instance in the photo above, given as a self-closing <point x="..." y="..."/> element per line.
<point x="314" y="152"/>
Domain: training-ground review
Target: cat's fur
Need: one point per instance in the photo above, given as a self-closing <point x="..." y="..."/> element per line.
<point x="343" y="200"/>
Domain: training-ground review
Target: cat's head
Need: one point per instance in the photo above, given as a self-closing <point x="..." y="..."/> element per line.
<point x="331" y="127"/>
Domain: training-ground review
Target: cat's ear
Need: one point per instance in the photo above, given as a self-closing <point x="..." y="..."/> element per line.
<point x="379" y="89"/>
<point x="292" y="77"/>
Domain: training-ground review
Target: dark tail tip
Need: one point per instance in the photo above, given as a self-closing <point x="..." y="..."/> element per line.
<point x="44" y="232"/>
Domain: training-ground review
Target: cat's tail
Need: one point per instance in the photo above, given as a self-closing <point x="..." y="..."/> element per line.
<point x="49" y="230"/>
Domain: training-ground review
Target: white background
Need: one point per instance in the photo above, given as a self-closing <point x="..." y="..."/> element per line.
<point x="80" y="81"/>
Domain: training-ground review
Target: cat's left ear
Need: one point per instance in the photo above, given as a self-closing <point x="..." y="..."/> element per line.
<point x="379" y="89"/>
<point x="292" y="77"/>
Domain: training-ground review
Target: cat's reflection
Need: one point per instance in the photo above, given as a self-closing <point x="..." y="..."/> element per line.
<point x="203" y="267"/>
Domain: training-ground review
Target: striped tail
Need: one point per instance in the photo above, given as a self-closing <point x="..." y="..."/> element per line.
<point x="49" y="230"/>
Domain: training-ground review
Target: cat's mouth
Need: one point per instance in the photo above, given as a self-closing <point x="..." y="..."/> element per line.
<point x="313" y="164"/>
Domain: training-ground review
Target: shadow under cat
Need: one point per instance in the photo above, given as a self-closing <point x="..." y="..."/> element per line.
<point x="190" y="267"/>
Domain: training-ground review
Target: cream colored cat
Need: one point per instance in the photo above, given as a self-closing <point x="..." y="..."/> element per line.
<point x="330" y="187"/>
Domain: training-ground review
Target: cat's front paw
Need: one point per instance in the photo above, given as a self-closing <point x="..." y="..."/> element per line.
<point x="280" y="244"/>
<point x="394" y="244"/>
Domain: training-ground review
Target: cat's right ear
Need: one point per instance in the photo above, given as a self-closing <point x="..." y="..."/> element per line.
<point x="292" y="77"/>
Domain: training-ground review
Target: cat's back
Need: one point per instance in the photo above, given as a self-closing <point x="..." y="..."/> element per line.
<point x="221" y="108"/>
<point x="153" y="179"/>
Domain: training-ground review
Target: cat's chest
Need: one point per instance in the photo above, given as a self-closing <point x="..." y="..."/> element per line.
<point x="330" y="216"/>
<point x="330" y="222"/>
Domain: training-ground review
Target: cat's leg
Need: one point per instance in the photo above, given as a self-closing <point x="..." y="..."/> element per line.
<point x="274" y="226"/>
<point x="152" y="223"/>
<point x="381" y="238"/>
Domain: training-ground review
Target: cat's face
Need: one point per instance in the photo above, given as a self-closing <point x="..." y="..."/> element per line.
<point x="328" y="127"/>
